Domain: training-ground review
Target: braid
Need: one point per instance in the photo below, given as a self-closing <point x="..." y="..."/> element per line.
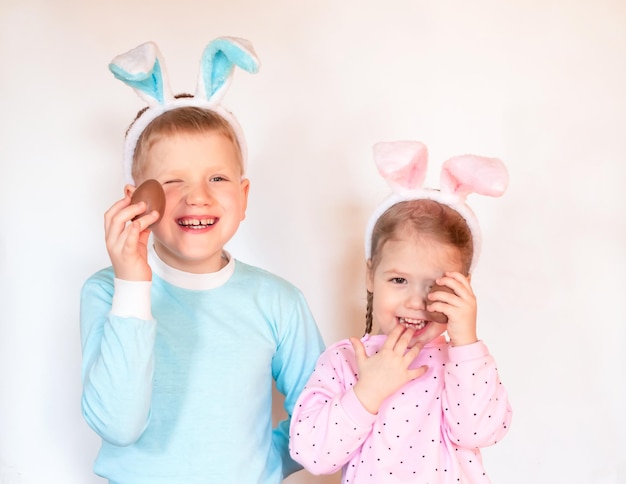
<point x="368" y="313"/>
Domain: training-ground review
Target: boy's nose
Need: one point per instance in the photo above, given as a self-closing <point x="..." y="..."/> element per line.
<point x="198" y="194"/>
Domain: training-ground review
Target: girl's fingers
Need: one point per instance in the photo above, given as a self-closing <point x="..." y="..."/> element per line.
<point x="417" y="372"/>
<point x="359" y="349"/>
<point x="392" y="337"/>
<point x="412" y="353"/>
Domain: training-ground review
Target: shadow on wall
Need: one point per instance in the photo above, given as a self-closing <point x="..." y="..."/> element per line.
<point x="349" y="272"/>
<point x="347" y="286"/>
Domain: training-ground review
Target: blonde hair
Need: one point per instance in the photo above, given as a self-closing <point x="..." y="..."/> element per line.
<point x="187" y="119"/>
<point x="425" y="218"/>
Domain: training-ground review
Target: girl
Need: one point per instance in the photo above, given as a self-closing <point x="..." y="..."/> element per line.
<point x="407" y="404"/>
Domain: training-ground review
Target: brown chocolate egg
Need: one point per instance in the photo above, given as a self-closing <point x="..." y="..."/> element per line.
<point x="436" y="316"/>
<point x="151" y="192"/>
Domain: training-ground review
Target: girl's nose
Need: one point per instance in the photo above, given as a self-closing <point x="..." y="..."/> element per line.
<point x="417" y="300"/>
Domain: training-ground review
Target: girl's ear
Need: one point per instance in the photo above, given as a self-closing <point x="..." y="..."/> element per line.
<point x="369" y="276"/>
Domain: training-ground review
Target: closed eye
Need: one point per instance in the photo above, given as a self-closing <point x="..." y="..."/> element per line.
<point x="172" y="181"/>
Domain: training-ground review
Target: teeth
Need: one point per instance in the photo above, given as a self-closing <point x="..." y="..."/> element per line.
<point x="413" y="323"/>
<point x="199" y="223"/>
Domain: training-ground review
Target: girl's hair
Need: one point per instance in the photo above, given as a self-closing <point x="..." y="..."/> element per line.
<point x="187" y="119"/>
<point x="424" y="218"/>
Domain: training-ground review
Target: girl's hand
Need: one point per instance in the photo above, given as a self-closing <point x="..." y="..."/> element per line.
<point x="127" y="240"/>
<point x="460" y="308"/>
<point x="381" y="374"/>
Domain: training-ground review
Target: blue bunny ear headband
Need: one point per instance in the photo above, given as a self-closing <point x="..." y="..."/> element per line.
<point x="143" y="69"/>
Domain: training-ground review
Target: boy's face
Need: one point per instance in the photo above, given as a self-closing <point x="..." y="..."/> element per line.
<point x="400" y="283"/>
<point x="206" y="198"/>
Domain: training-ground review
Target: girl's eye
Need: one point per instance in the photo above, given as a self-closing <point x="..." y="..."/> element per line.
<point x="398" y="280"/>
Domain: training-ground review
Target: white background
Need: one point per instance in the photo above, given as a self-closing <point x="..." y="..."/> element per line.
<point x="539" y="83"/>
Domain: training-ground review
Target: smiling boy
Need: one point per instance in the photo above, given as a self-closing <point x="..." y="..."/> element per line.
<point x="180" y="340"/>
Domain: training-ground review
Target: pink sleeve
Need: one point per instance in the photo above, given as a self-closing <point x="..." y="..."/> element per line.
<point x="476" y="407"/>
<point x="329" y="424"/>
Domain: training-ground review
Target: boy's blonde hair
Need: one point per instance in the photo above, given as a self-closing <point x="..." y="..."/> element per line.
<point x="188" y="120"/>
<point x="424" y="218"/>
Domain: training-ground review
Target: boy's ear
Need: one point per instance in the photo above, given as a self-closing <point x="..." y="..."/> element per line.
<point x="129" y="190"/>
<point x="245" y="190"/>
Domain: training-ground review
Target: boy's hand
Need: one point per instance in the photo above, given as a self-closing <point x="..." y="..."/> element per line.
<point x="127" y="241"/>
<point x="460" y="308"/>
<point x="381" y="374"/>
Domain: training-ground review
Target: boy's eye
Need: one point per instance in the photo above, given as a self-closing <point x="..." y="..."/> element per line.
<point x="217" y="178"/>
<point x="171" y="181"/>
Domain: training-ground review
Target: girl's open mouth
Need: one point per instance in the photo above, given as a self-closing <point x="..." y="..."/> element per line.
<point x="415" y="324"/>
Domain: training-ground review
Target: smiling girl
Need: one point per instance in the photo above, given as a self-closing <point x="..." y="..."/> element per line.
<point x="407" y="404"/>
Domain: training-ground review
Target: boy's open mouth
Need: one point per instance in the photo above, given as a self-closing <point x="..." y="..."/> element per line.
<point x="196" y="223"/>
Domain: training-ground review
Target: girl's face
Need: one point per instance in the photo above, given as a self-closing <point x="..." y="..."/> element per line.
<point x="407" y="270"/>
<point x="206" y="198"/>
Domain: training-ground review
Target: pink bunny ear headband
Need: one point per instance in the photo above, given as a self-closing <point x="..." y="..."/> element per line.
<point x="143" y="69"/>
<point x="403" y="166"/>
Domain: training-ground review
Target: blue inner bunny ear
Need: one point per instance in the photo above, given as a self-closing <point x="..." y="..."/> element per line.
<point x="149" y="83"/>
<point x="219" y="60"/>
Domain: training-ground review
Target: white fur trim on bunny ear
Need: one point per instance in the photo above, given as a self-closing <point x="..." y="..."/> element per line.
<point x="459" y="177"/>
<point x="218" y="63"/>
<point x="143" y="69"/>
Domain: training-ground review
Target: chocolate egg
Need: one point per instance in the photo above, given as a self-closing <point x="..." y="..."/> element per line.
<point x="151" y="192"/>
<point x="436" y="316"/>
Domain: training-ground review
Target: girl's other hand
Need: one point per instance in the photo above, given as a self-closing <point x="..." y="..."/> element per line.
<point x="460" y="307"/>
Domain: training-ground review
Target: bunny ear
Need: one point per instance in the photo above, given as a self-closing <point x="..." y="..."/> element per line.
<point x="218" y="63"/>
<point x="143" y="69"/>
<point x="402" y="163"/>
<point x="467" y="174"/>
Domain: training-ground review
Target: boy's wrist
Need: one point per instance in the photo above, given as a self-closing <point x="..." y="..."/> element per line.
<point x="131" y="299"/>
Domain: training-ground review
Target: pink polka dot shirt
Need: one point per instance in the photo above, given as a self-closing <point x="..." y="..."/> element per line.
<point x="430" y="431"/>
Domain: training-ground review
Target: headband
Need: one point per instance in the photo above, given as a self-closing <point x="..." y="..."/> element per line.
<point x="403" y="165"/>
<point x="143" y="69"/>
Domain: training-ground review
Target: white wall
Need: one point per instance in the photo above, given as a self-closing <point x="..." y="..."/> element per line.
<point x="539" y="83"/>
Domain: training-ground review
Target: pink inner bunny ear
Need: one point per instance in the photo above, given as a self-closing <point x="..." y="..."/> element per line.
<point x="402" y="163"/>
<point x="474" y="174"/>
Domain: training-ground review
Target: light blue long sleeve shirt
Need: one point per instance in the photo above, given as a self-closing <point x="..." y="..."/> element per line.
<point x="183" y="393"/>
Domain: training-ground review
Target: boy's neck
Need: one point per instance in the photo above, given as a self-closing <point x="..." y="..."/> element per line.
<point x="188" y="280"/>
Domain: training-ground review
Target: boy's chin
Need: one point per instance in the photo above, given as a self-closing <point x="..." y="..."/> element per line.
<point x="429" y="333"/>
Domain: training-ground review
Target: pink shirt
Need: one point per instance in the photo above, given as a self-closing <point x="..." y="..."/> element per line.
<point x="429" y="431"/>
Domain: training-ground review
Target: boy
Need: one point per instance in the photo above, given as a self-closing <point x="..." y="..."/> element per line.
<point x="181" y="341"/>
